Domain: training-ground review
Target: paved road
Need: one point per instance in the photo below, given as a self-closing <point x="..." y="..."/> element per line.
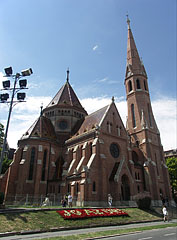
<point x="86" y="230"/>
<point x="157" y="234"/>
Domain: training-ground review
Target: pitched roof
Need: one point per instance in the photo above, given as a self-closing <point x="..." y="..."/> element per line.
<point x="41" y="128"/>
<point x="93" y="120"/>
<point x="66" y="96"/>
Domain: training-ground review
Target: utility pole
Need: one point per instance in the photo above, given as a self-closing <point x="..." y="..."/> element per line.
<point x="20" y="98"/>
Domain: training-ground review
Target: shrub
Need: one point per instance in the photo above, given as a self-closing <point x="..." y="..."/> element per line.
<point x="144" y="203"/>
<point x="175" y="198"/>
<point x="1" y="197"/>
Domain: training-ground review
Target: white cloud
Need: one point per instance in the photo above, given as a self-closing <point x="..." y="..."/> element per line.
<point x="164" y="110"/>
<point x="106" y="80"/>
<point x="103" y="79"/>
<point x="24" y="114"/>
<point x="95" y="48"/>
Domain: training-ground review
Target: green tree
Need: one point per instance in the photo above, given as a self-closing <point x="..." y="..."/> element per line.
<point x="6" y="162"/>
<point x="172" y="169"/>
<point x="1" y="134"/>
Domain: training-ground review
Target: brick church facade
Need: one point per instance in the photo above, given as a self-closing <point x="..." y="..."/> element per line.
<point x="91" y="156"/>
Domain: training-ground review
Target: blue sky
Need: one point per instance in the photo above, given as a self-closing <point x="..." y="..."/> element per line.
<point x="89" y="37"/>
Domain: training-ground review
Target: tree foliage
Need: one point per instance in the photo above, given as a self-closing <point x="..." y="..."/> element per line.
<point x="1" y="134"/>
<point x="6" y="162"/>
<point x="172" y="169"/>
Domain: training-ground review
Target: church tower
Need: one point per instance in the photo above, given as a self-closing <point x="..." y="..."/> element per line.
<point x="141" y="125"/>
<point x="65" y="112"/>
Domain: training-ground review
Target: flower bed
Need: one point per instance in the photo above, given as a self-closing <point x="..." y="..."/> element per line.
<point x="87" y="213"/>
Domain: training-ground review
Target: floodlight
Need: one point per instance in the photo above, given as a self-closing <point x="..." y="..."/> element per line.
<point x="8" y="71"/>
<point x="4" y="97"/>
<point x="6" y="84"/>
<point x="21" y="96"/>
<point x="27" y="72"/>
<point x="23" y="83"/>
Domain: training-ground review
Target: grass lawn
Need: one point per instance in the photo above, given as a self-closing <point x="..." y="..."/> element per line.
<point x="45" y="220"/>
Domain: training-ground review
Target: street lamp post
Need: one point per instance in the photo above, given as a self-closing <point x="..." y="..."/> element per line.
<point x="20" y="98"/>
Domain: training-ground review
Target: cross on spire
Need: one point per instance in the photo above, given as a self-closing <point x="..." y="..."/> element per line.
<point x="128" y="21"/>
<point x="67" y="79"/>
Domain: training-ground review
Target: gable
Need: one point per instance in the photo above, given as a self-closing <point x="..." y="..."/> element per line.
<point x="112" y="122"/>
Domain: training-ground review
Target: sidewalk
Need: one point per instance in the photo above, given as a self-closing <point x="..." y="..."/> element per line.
<point x="72" y="231"/>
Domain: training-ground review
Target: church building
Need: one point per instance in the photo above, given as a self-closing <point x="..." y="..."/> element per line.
<point x="90" y="156"/>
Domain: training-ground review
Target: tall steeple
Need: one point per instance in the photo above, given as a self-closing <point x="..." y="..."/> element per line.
<point x="141" y="125"/>
<point x="134" y="64"/>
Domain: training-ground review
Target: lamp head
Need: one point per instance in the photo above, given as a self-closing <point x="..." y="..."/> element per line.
<point x="8" y="71"/>
<point x="4" y="97"/>
<point x="6" y="84"/>
<point x="26" y="72"/>
<point x="21" y="96"/>
<point x="23" y="83"/>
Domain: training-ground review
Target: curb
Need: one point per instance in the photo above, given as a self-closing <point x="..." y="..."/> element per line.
<point x="6" y="234"/>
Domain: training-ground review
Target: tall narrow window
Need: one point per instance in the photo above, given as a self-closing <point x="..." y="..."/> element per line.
<point x="156" y="165"/>
<point x="44" y="165"/>
<point x="31" y="167"/>
<point x="69" y="188"/>
<point x="110" y="127"/>
<point x="81" y="151"/>
<point x="145" y="88"/>
<point x="138" y="84"/>
<point x="133" y="115"/>
<point x="90" y="146"/>
<point x="94" y="187"/>
<point x="149" y="114"/>
<point x="77" y="187"/>
<point x="130" y="86"/>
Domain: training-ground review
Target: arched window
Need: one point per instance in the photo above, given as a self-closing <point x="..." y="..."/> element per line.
<point x="94" y="186"/>
<point x="156" y="165"/>
<point x="138" y="84"/>
<point x="135" y="159"/>
<point x="118" y="131"/>
<point x="145" y="88"/>
<point x="21" y="156"/>
<point x="69" y="188"/>
<point x="133" y="115"/>
<point x="90" y="146"/>
<point x="149" y="114"/>
<point x="110" y="127"/>
<point x="130" y="86"/>
<point x="59" y="189"/>
<point x="77" y="187"/>
<point x="81" y="151"/>
<point x="44" y="165"/>
<point x="31" y="167"/>
<point x="107" y="126"/>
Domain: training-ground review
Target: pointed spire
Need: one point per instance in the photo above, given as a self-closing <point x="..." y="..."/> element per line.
<point x="133" y="58"/>
<point x="67" y="79"/>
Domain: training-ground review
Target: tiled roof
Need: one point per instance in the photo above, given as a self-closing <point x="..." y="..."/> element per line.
<point x="66" y="96"/>
<point x="41" y="128"/>
<point x="93" y="120"/>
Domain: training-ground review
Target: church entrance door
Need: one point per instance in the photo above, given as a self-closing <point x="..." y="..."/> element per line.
<point x="125" y="188"/>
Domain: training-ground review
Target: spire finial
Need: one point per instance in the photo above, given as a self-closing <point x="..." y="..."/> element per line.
<point x="41" y="109"/>
<point x="113" y="99"/>
<point x="67" y="79"/>
<point x="128" y="21"/>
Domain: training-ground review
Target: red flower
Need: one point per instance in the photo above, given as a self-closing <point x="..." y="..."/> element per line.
<point x="90" y="212"/>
